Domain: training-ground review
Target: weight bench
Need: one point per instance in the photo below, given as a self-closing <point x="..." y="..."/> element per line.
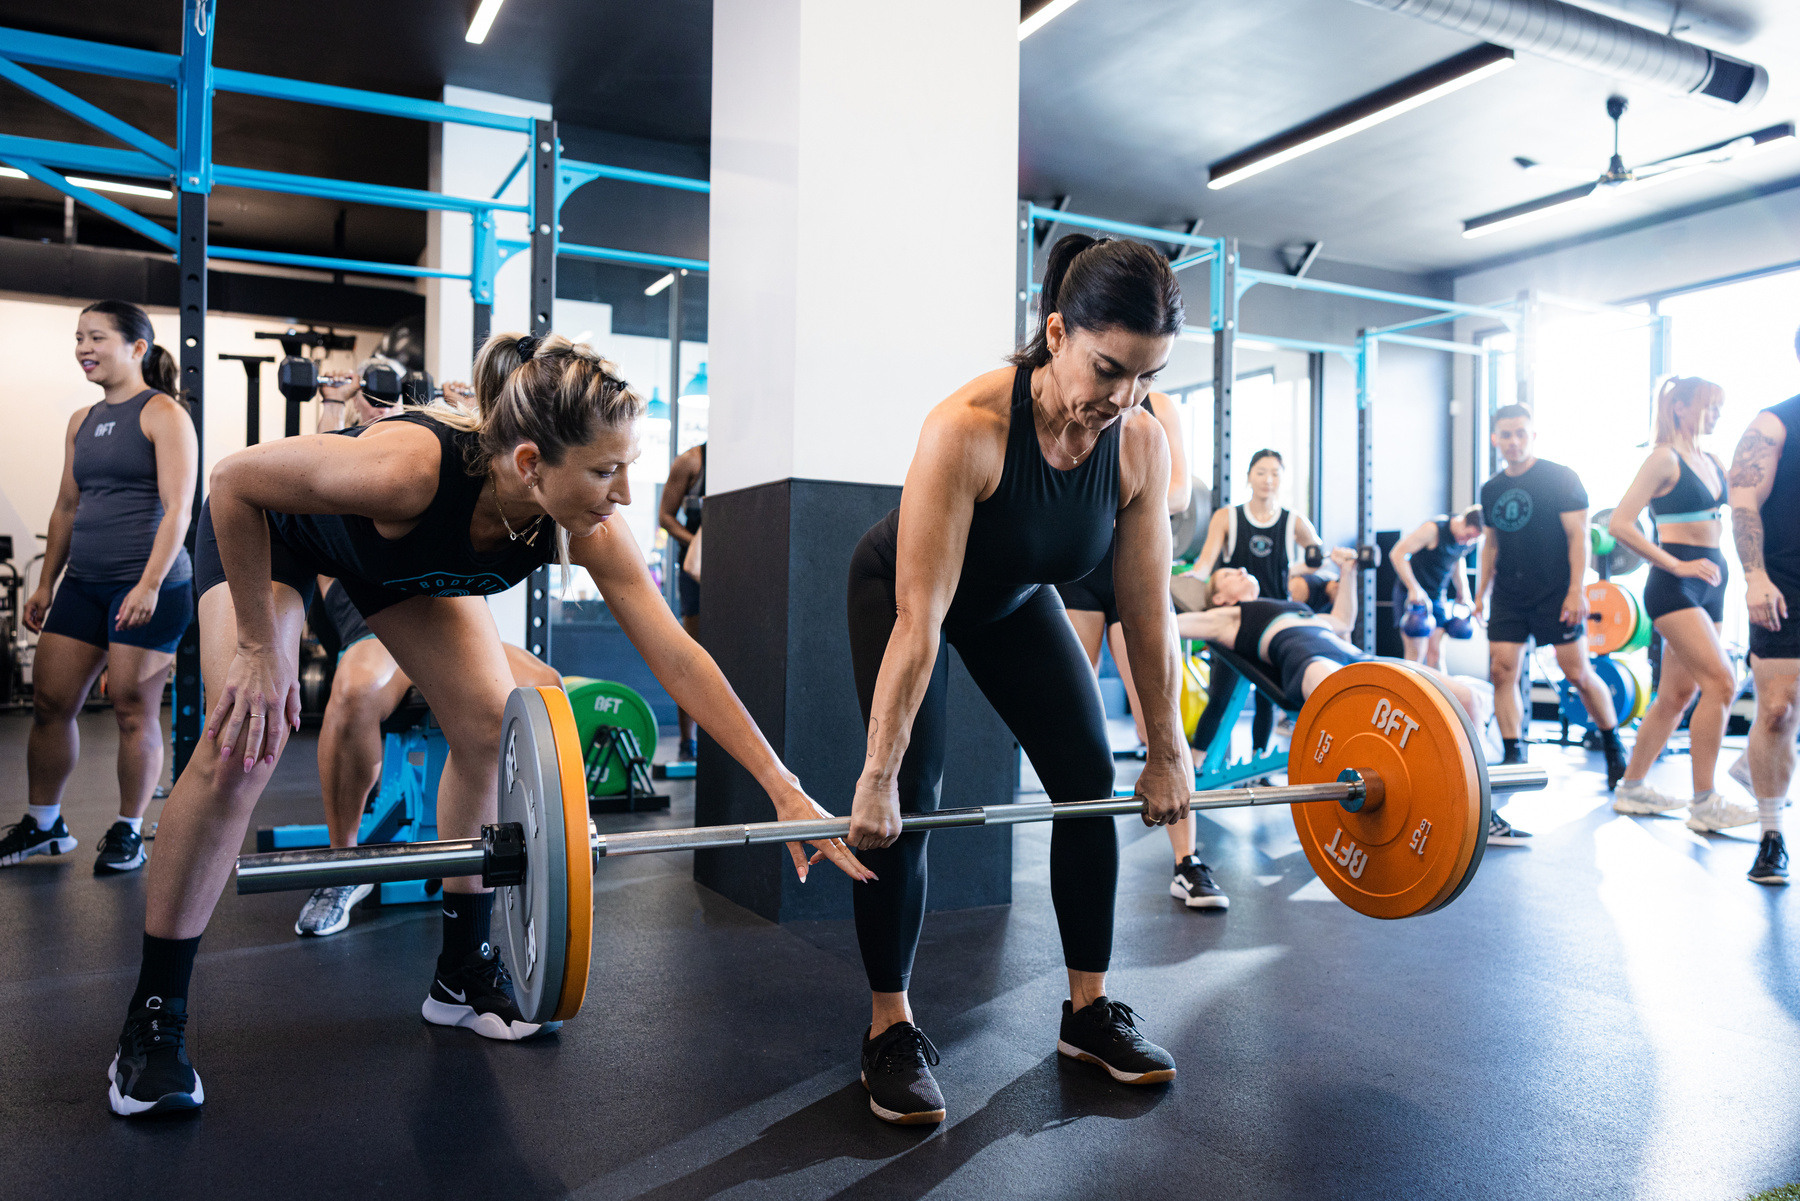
<point x="403" y="807"/>
<point x="1231" y="671"/>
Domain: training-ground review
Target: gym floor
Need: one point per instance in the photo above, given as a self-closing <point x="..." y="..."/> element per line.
<point x="1613" y="1012"/>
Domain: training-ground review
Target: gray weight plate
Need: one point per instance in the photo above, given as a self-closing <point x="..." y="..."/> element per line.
<point x="534" y="914"/>
<point x="1486" y="790"/>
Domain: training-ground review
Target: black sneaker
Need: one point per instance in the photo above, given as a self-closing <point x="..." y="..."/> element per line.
<point x="1194" y="885"/>
<point x="896" y="1069"/>
<point x="1501" y="833"/>
<point x="689" y="748"/>
<point x="23" y="839"/>
<point x="1771" y="860"/>
<point x="1616" y="766"/>
<point x="150" y="1072"/>
<point x="477" y="995"/>
<point x="121" y="850"/>
<point x="1105" y="1033"/>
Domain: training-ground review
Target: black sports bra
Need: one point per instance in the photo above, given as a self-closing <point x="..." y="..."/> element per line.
<point x="1690" y="499"/>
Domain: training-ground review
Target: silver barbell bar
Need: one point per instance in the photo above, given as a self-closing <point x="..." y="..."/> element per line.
<point x="283" y="871"/>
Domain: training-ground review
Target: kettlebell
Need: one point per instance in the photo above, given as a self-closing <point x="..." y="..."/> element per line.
<point x="1417" y="623"/>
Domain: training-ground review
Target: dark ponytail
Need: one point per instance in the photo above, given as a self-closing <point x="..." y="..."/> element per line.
<point x="133" y="324"/>
<point x="1104" y="283"/>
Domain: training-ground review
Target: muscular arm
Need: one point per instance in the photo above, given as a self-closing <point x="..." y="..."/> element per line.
<point x="1657" y="475"/>
<point x="1210" y="625"/>
<point x="62" y="515"/>
<point x="1423" y="538"/>
<point x="1181" y="483"/>
<point x="1750" y="481"/>
<point x="1342" y="616"/>
<point x="960" y="453"/>
<point x="1484" y="579"/>
<point x="171" y="432"/>
<point x="682" y="473"/>
<point x="1141" y="584"/>
<point x="1575" y="606"/>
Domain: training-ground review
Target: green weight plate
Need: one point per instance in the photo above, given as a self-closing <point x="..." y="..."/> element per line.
<point x="1640" y="637"/>
<point x="600" y="703"/>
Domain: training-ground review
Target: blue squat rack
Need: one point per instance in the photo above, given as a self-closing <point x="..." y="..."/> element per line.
<point x="189" y="168"/>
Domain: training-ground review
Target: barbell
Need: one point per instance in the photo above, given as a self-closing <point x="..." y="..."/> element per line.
<point x="1391" y="799"/>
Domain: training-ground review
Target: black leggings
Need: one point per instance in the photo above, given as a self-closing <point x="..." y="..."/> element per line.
<point x="1031" y="668"/>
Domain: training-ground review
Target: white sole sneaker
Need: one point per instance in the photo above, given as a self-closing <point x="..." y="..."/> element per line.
<point x="488" y="1025"/>
<point x="131" y="1107"/>
<point x="1710" y="817"/>
<point x="357" y="894"/>
<point x="50" y="846"/>
<point x="1197" y="901"/>
<point x="925" y="1117"/>
<point x="1651" y="802"/>
<point x="1069" y="1050"/>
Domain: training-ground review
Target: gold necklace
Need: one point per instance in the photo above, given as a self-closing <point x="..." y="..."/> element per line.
<point x="1057" y="438"/>
<point x="512" y="535"/>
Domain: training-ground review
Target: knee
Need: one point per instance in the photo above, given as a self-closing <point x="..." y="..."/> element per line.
<point x="1777" y="712"/>
<point x="1718" y="684"/>
<point x="1502" y="672"/>
<point x="474" y="736"/>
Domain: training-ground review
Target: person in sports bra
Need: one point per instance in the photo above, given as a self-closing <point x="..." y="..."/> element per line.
<point x="1684" y="488"/>
<point x="119" y="527"/>
<point x="419" y="517"/>
<point x="1021" y="479"/>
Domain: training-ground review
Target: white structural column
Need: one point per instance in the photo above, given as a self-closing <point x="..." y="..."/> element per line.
<point x="864" y="182"/>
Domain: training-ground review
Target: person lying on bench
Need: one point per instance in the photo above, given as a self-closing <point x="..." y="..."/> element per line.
<point x="1300" y="646"/>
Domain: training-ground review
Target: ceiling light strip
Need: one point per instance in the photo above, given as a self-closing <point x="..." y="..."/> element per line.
<point x="1417" y="89"/>
<point x="101" y="185"/>
<point x="1042" y="17"/>
<point x="483" y="21"/>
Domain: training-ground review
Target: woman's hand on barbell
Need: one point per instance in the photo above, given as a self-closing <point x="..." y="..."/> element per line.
<point x="796" y="806"/>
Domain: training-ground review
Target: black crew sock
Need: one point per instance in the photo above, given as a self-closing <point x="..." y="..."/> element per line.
<point x="1185" y="860"/>
<point x="466" y="919"/>
<point x="1610" y="738"/>
<point x="168" y="964"/>
<point x="1510" y="746"/>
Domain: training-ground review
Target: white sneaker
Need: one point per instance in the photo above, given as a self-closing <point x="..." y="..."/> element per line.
<point x="1642" y="799"/>
<point x="327" y="911"/>
<point x="1711" y="813"/>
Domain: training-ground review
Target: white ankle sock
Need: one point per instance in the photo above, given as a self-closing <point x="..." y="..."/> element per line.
<point x="136" y="823"/>
<point x="44" y="815"/>
<point x="1768" y="808"/>
<point x="1632" y="784"/>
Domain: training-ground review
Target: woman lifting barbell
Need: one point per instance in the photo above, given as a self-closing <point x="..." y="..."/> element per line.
<point x="416" y="516"/>
<point x="1684" y="488"/>
<point x="1018" y="482"/>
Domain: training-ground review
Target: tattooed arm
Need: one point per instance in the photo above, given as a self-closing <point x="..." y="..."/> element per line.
<point x="1751" y="477"/>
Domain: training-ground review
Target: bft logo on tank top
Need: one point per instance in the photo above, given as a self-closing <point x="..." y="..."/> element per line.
<point x="1512" y="512"/>
<point x="1262" y="546"/>
<point x="104" y="428"/>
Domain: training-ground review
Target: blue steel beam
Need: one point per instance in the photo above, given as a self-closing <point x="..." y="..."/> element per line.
<point x="95" y="58"/>
<point x="327" y="263"/>
<point x="1308" y="284"/>
<point x="576" y="173"/>
<point x="74" y="156"/>
<point x="1428" y="343"/>
<point x="513" y="174"/>
<point x="95" y="201"/>
<point x="249" y="83"/>
<point x="76" y="107"/>
<point x="1193" y="260"/>
<point x="1416" y="323"/>
<point x="365" y="193"/>
<point x="636" y="257"/>
<point x="1148" y="233"/>
<point x="194" y="99"/>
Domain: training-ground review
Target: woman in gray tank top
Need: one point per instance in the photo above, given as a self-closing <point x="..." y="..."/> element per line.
<point x="121" y="518"/>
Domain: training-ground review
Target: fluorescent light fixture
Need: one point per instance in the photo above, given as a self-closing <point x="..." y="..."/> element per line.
<point x="1043" y="17"/>
<point x="101" y="185"/>
<point x="1520" y="214"/>
<point x="483" y="21"/>
<point x="1422" y="87"/>
<point x="656" y="288"/>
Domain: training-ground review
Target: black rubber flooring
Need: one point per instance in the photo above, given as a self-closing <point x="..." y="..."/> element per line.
<point x="1613" y="1012"/>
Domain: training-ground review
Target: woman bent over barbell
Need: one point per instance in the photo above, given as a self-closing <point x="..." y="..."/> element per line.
<point x="417" y="516"/>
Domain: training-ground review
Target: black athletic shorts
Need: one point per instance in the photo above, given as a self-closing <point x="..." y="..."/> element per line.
<point x="687" y="588"/>
<point x="1665" y="592"/>
<point x="351" y="628"/>
<point x="1785" y="642"/>
<point x="1513" y="618"/>
<point x="286" y="565"/>
<point x="1291" y="652"/>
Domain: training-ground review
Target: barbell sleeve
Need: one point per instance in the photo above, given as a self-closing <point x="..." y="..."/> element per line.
<point x="281" y="871"/>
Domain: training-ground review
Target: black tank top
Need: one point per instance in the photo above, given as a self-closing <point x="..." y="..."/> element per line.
<point x="1781" y="512"/>
<point x="434" y="558"/>
<point x="1690" y="499"/>
<point x="1261" y="550"/>
<point x="120" y="508"/>
<point x="1041" y="525"/>
<point x="1254" y="617"/>
<point x="1433" y="565"/>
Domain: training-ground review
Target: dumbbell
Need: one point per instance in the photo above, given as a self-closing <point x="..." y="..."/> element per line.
<point x="382" y="385"/>
<point x="417" y="388"/>
<point x="1368" y="557"/>
<point x="1390" y="791"/>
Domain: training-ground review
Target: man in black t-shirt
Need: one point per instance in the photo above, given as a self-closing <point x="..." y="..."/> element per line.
<point x="1533" y="558"/>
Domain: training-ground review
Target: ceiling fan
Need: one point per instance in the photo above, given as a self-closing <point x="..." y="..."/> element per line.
<point x="1618" y="179"/>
